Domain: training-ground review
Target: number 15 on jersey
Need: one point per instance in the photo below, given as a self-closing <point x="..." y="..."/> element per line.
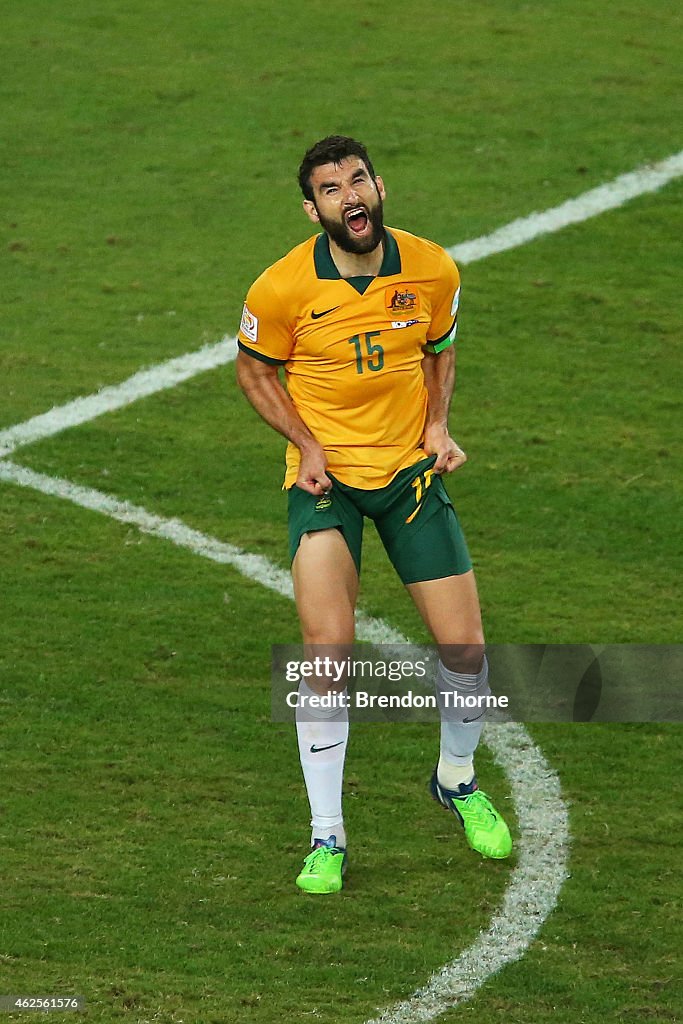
<point x="367" y="354"/>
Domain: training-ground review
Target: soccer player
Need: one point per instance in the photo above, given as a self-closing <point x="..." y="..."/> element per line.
<point x="363" y="318"/>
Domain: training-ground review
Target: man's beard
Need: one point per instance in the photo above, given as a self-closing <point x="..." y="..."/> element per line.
<point x="342" y="235"/>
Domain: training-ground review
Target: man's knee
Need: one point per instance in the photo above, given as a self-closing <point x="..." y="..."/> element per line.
<point x="334" y="634"/>
<point x="465" y="657"/>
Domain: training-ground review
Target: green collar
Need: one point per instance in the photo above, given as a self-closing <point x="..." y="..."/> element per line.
<point x="326" y="269"/>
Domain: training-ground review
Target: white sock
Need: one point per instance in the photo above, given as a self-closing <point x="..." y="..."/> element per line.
<point x="322" y="734"/>
<point x="461" y="728"/>
<point x="450" y="776"/>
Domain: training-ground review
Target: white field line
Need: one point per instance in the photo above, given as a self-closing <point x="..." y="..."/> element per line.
<point x="108" y="399"/>
<point x="533" y="889"/>
<point x="542" y="850"/>
<point x="597" y="200"/>
<point x="166" y="375"/>
<point x="253" y="567"/>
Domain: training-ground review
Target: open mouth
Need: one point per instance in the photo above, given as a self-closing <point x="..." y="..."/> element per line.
<point x="357" y="219"/>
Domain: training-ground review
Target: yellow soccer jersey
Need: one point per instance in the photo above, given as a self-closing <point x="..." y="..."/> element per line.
<point x="352" y="349"/>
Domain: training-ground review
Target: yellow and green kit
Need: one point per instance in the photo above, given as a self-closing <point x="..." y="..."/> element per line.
<point x="352" y="351"/>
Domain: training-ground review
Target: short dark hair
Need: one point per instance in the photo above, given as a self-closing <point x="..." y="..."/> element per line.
<point x="331" y="150"/>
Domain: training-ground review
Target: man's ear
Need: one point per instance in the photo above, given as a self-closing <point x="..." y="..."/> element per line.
<point x="380" y="188"/>
<point x="310" y="211"/>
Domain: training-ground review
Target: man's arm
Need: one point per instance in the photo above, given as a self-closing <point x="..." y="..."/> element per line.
<point x="439" y="374"/>
<point x="261" y="385"/>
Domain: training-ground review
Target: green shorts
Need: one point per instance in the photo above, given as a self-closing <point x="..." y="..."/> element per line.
<point x="415" y="519"/>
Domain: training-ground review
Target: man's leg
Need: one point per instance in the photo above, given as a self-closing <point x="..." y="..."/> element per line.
<point x="325" y="588"/>
<point x="421" y="533"/>
<point x="450" y="609"/>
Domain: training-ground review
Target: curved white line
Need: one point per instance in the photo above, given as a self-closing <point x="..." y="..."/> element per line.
<point x="532" y="892"/>
<point x="542" y="850"/>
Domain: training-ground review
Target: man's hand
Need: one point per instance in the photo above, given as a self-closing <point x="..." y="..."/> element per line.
<point x="312" y="476"/>
<point x="449" y="455"/>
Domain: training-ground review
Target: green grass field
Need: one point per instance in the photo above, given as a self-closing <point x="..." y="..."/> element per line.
<point x="152" y="818"/>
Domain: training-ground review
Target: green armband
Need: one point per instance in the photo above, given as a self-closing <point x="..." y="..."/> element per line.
<point x="443" y="342"/>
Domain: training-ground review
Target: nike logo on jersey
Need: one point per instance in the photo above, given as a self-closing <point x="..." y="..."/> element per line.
<point x="318" y="750"/>
<point x="316" y="316"/>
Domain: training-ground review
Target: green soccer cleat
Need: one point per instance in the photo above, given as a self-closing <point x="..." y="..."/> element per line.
<point x="323" y="867"/>
<point x="485" y="830"/>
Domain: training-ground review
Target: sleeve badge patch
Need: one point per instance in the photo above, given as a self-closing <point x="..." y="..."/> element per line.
<point x="249" y="325"/>
<point x="456" y="303"/>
